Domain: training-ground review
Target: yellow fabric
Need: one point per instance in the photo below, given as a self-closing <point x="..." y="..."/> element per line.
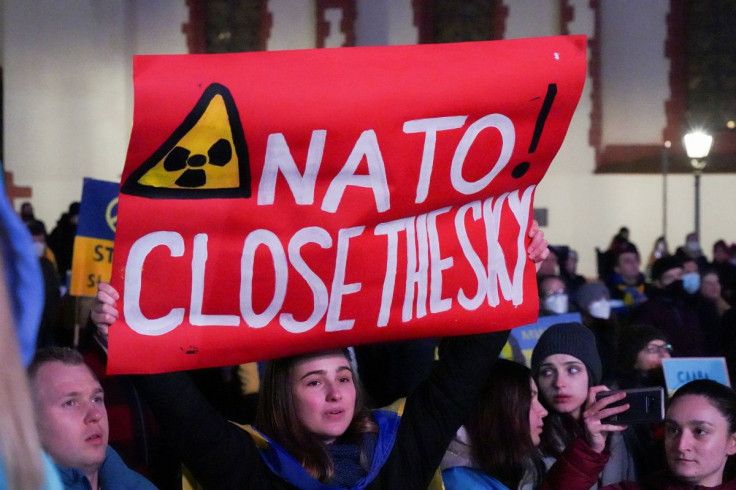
<point x="507" y="353"/>
<point x="436" y="483"/>
<point x="188" y="482"/>
<point x="250" y="382"/>
<point x="397" y="406"/>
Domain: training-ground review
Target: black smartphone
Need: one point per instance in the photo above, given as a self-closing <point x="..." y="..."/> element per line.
<point x="645" y="405"/>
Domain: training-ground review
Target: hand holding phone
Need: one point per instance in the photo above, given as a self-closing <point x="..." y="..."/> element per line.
<point x="645" y="405"/>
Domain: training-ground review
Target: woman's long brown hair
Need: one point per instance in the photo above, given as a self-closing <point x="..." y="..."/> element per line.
<point x="498" y="428"/>
<point x="276" y="417"/>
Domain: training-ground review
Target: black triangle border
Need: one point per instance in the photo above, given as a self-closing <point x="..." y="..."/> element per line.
<point x="134" y="188"/>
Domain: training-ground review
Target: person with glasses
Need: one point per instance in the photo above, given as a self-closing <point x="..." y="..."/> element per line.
<point x="641" y="350"/>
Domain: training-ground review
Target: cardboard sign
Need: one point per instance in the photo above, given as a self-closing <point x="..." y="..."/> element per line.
<point x="93" y="245"/>
<point x="276" y="203"/>
<point x="681" y="370"/>
<point x="528" y="335"/>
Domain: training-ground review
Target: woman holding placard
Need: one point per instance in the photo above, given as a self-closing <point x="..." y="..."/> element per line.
<point x="315" y="431"/>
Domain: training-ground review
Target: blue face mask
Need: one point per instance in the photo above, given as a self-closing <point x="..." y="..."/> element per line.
<point x="691" y="282"/>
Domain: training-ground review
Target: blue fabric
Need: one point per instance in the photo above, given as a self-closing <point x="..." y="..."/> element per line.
<point x="283" y="464"/>
<point x="52" y="481"/>
<point x="112" y="475"/>
<point x="22" y="275"/>
<point x="463" y="477"/>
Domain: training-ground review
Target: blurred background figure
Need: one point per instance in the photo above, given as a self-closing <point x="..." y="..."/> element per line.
<point x="61" y="240"/>
<point x="551" y="265"/>
<point x="606" y="259"/>
<point x="49" y="329"/>
<point x="723" y="265"/>
<point x="594" y="303"/>
<point x="26" y="212"/>
<point x="710" y="288"/>
<point x="671" y="310"/>
<point x="641" y="351"/>
<point x="659" y="250"/>
<point x="640" y="354"/>
<point x="626" y="282"/>
<point x="569" y="273"/>
<point x="692" y="249"/>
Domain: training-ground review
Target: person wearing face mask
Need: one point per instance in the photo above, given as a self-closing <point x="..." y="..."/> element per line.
<point x="707" y="311"/>
<point x="690" y="275"/>
<point x="48" y="328"/>
<point x="671" y="310"/>
<point x="593" y="301"/>
<point x="553" y="299"/>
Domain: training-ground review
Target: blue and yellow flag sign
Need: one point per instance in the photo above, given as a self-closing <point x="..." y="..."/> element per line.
<point x="93" y="244"/>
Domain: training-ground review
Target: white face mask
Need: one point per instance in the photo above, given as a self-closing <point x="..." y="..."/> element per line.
<point x="39" y="248"/>
<point x="556" y="303"/>
<point x="600" y="309"/>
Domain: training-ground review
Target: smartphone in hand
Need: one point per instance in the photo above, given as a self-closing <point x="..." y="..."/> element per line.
<point x="645" y="405"/>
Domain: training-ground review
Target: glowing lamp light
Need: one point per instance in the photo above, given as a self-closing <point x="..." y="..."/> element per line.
<point x="697" y="144"/>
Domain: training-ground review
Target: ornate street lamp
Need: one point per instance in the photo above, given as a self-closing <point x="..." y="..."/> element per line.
<point x="697" y="146"/>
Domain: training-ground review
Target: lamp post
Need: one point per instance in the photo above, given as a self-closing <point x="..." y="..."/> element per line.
<point x="697" y="146"/>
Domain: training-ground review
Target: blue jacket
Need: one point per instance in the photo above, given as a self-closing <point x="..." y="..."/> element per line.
<point x="460" y="477"/>
<point x="52" y="477"/>
<point x="290" y="470"/>
<point x="112" y="475"/>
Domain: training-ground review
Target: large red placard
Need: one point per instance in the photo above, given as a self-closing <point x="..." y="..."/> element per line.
<point x="280" y="202"/>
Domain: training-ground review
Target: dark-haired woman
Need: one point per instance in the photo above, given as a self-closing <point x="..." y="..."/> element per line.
<point x="508" y="410"/>
<point x="700" y="440"/>
<point x="567" y="367"/>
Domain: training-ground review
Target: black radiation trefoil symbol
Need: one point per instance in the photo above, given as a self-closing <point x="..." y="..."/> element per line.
<point x="178" y="169"/>
<point x="180" y="158"/>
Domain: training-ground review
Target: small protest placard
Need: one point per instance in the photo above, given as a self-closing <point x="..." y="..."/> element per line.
<point x="681" y="370"/>
<point x="94" y="243"/>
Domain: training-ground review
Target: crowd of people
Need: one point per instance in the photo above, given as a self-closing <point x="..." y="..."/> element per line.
<point x="455" y="413"/>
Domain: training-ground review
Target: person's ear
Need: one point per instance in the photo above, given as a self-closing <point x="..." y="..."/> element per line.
<point x="731" y="444"/>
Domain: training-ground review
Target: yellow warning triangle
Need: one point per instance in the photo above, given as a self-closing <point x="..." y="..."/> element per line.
<point x="205" y="157"/>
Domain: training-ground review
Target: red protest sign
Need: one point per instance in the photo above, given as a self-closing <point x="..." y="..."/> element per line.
<point x="281" y="202"/>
